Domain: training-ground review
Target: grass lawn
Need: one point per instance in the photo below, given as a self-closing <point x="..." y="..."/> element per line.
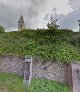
<point x="14" y="83"/>
<point x="10" y="83"/>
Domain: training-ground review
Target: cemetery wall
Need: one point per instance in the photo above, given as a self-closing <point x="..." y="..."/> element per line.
<point x="11" y="64"/>
<point x="50" y="70"/>
<point x="40" y="69"/>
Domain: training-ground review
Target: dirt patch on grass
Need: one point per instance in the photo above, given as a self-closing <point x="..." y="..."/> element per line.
<point x="3" y="89"/>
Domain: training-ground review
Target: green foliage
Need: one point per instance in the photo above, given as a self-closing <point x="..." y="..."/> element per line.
<point x="14" y="83"/>
<point x="47" y="44"/>
<point x="75" y="40"/>
<point x="52" y="24"/>
<point x="2" y="30"/>
<point x="10" y="83"/>
<point x="43" y="85"/>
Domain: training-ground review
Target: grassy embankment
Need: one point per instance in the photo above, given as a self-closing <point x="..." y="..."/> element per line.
<point x="14" y="83"/>
<point x="58" y="45"/>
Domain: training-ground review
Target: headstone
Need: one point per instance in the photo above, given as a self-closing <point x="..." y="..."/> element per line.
<point x="76" y="77"/>
<point x="27" y="70"/>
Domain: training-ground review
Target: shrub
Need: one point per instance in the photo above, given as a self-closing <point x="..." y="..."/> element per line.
<point x="2" y="30"/>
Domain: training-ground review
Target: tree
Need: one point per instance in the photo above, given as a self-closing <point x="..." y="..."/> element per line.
<point x="2" y="30"/>
<point x="52" y="24"/>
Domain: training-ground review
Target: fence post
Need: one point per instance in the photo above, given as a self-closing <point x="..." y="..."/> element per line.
<point x="27" y="70"/>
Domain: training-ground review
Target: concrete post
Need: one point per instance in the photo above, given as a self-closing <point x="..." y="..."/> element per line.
<point x="76" y="76"/>
<point x="27" y="70"/>
<point x="70" y="82"/>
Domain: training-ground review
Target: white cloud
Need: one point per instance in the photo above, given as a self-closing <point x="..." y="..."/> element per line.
<point x="75" y="4"/>
<point x="34" y="11"/>
<point x="63" y="7"/>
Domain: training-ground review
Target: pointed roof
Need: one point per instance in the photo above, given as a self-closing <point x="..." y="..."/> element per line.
<point x="21" y="20"/>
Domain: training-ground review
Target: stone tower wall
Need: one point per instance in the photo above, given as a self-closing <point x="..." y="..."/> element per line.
<point x="21" y="24"/>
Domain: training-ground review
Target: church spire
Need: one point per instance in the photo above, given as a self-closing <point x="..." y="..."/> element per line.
<point x="21" y="19"/>
<point x="21" y="24"/>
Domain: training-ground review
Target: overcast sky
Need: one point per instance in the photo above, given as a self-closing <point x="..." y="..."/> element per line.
<point x="36" y="13"/>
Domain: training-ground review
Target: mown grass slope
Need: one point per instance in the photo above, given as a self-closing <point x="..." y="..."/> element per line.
<point x="58" y="45"/>
<point x="14" y="83"/>
<point x="10" y="83"/>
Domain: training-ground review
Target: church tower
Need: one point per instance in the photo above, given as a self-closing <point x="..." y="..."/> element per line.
<point x="21" y="24"/>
